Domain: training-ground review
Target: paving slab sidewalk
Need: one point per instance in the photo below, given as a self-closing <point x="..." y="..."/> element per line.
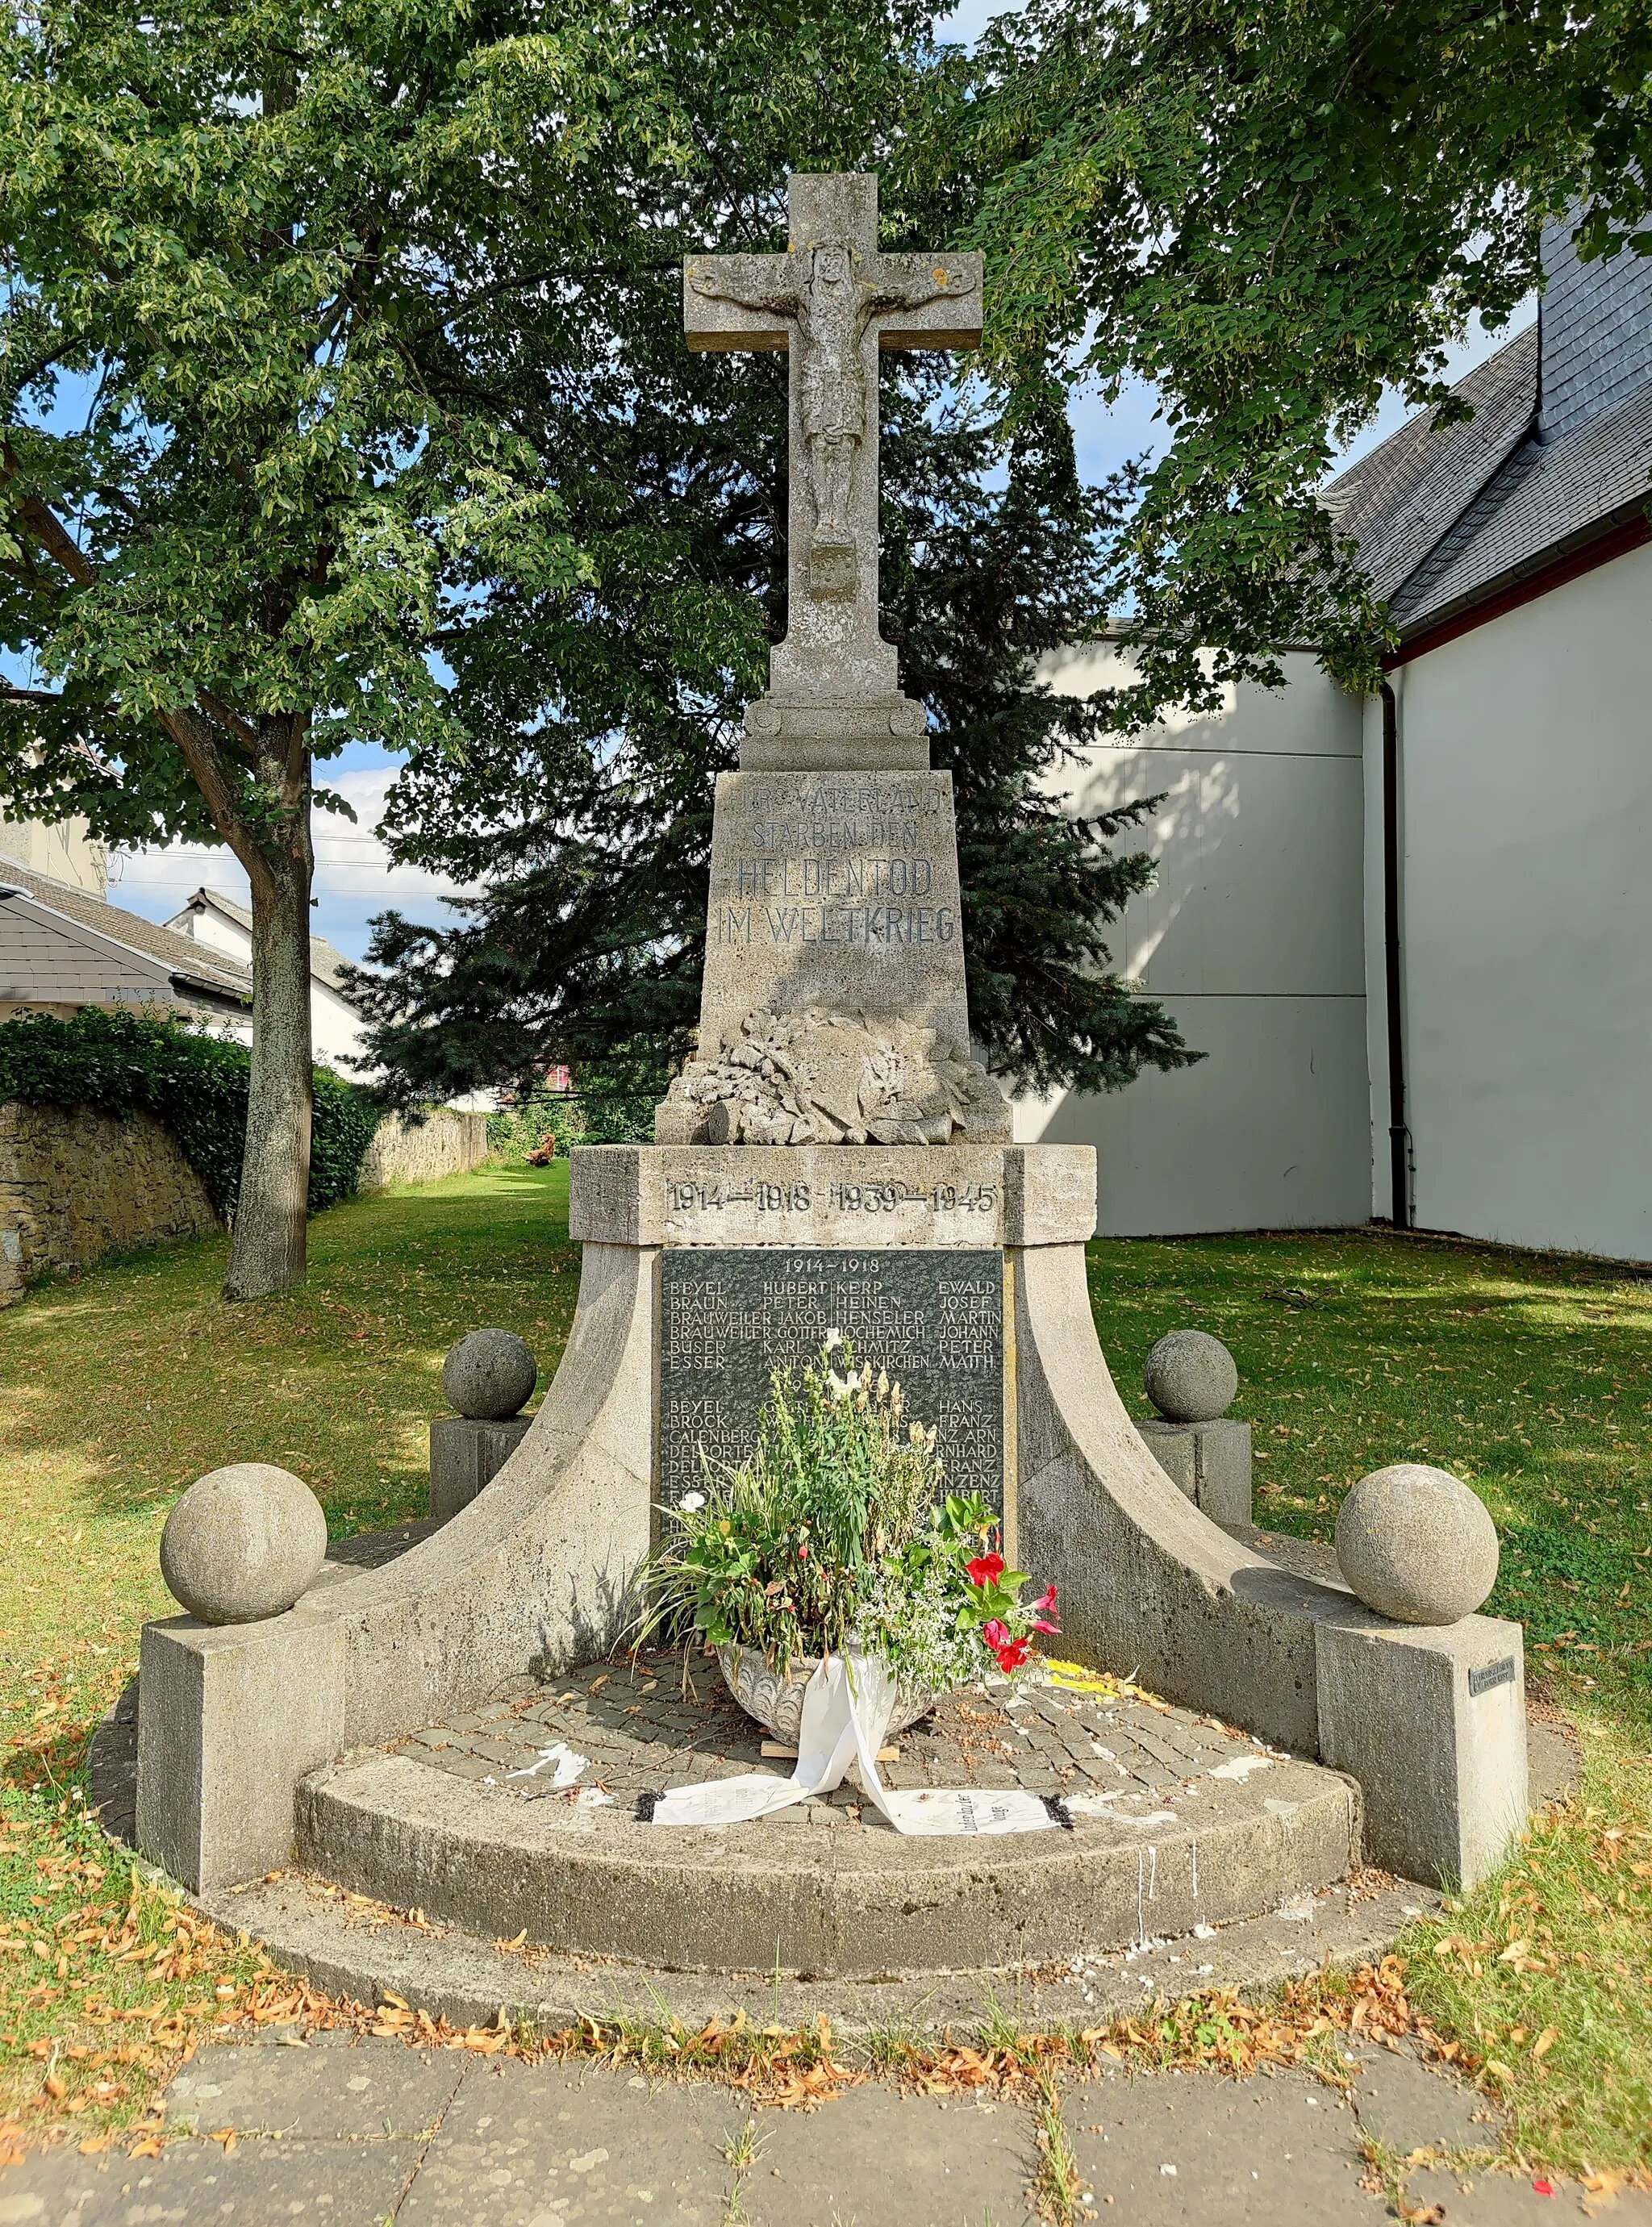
<point x="358" y="2133"/>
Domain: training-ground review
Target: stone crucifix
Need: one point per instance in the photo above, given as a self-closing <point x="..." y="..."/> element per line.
<point x="833" y="301"/>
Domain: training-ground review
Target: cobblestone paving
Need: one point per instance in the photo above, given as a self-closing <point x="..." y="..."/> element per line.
<point x="636" y="1729"/>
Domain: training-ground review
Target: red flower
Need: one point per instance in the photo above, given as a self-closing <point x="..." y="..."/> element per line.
<point x="1010" y="1651"/>
<point x="985" y="1569"/>
<point x="1045" y="1609"/>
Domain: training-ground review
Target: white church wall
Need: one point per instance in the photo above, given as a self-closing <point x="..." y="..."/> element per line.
<point x="1253" y="938"/>
<point x="1376" y="1007"/>
<point x="1526" y="750"/>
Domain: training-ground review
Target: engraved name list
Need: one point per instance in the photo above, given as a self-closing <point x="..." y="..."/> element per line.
<point x="934" y="1321"/>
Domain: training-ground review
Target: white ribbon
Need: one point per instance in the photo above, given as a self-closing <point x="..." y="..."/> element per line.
<point x="847" y="1705"/>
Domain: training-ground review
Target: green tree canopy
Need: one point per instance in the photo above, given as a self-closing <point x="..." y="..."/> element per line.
<point x="1273" y="210"/>
<point x="259" y="263"/>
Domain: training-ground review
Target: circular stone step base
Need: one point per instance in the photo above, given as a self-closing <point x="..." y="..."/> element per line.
<point x="362" y="1952"/>
<point x="1176" y="1823"/>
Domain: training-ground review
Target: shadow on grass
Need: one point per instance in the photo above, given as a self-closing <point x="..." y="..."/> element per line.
<point x="119" y="1389"/>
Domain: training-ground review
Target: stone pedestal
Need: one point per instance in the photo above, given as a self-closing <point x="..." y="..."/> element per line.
<point x="466" y="1454"/>
<point x="833" y="1008"/>
<point x="837" y="892"/>
<point x="539" y="1572"/>
<point x="1209" y="1462"/>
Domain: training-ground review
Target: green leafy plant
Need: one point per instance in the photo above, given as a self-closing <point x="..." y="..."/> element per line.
<point x="540" y="1127"/>
<point x="832" y="1532"/>
<point x="127" y="1064"/>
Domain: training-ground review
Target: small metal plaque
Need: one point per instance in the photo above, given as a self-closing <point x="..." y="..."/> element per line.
<point x="1500" y="1672"/>
<point x="728" y="1315"/>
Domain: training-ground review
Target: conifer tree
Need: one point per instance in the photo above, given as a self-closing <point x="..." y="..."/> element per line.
<point x="591" y="810"/>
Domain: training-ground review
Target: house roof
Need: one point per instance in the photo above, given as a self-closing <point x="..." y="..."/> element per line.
<point x="1558" y="454"/>
<point x="326" y="961"/>
<point x="1398" y="502"/>
<point x="64" y="946"/>
<point x="1546" y="497"/>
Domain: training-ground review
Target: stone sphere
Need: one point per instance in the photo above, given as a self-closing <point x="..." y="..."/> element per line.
<point x="490" y="1374"/>
<point x="243" y="1542"/>
<point x="1415" y="1544"/>
<point x="1191" y="1377"/>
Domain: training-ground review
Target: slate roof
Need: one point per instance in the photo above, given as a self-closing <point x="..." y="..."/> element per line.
<point x="1548" y="497"/>
<point x="61" y="945"/>
<point x="326" y="961"/>
<point x="1597" y="332"/>
<point x="1399" y="501"/>
<point x="1559" y="451"/>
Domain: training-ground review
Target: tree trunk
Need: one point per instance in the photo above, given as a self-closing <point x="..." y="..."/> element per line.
<point x="267" y="1252"/>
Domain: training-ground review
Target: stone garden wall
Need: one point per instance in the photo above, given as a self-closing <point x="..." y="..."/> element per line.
<point x="75" y="1184"/>
<point x="446" y="1142"/>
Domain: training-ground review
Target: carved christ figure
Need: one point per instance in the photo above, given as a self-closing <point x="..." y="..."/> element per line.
<point x="831" y="310"/>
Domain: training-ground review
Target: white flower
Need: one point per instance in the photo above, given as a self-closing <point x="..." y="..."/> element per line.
<point x="692" y="1500"/>
<point x="834" y="1337"/>
<point x="839" y="1387"/>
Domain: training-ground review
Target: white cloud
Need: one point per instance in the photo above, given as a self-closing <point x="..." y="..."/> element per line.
<point x="354" y="877"/>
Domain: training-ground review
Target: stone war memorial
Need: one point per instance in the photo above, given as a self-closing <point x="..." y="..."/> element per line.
<point x="455" y="1726"/>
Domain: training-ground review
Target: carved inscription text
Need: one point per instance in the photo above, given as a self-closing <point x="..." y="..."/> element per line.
<point x="728" y="1316"/>
<point x="831" y="860"/>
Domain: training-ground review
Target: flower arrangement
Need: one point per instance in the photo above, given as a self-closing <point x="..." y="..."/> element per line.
<point x="837" y="1529"/>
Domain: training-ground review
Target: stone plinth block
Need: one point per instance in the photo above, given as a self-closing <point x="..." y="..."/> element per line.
<point x="1416" y="1544"/>
<point x="466" y="1454"/>
<point x="834" y="1196"/>
<point x="835" y="892"/>
<point x="1209" y="1462"/>
<point x="880" y="733"/>
<point x="1433" y="1723"/>
<point x="230" y="1718"/>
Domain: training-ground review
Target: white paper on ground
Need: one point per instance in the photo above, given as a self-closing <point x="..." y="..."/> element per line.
<point x="568" y="1765"/>
<point x="847" y="1709"/>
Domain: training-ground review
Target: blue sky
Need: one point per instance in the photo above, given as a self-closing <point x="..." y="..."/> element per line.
<point x="354" y="878"/>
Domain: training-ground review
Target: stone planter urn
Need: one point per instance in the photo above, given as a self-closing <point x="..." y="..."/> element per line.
<point x="778" y="1702"/>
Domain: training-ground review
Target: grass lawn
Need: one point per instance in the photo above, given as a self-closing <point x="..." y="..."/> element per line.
<point x="1530" y="1376"/>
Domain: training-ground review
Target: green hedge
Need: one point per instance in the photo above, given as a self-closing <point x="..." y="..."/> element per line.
<point x="127" y="1064"/>
<point x="609" y="1113"/>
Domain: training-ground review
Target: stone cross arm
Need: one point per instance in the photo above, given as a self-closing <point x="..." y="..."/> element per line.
<point x="754" y="302"/>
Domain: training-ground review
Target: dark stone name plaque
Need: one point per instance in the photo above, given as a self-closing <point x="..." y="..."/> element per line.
<point x="728" y="1316"/>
